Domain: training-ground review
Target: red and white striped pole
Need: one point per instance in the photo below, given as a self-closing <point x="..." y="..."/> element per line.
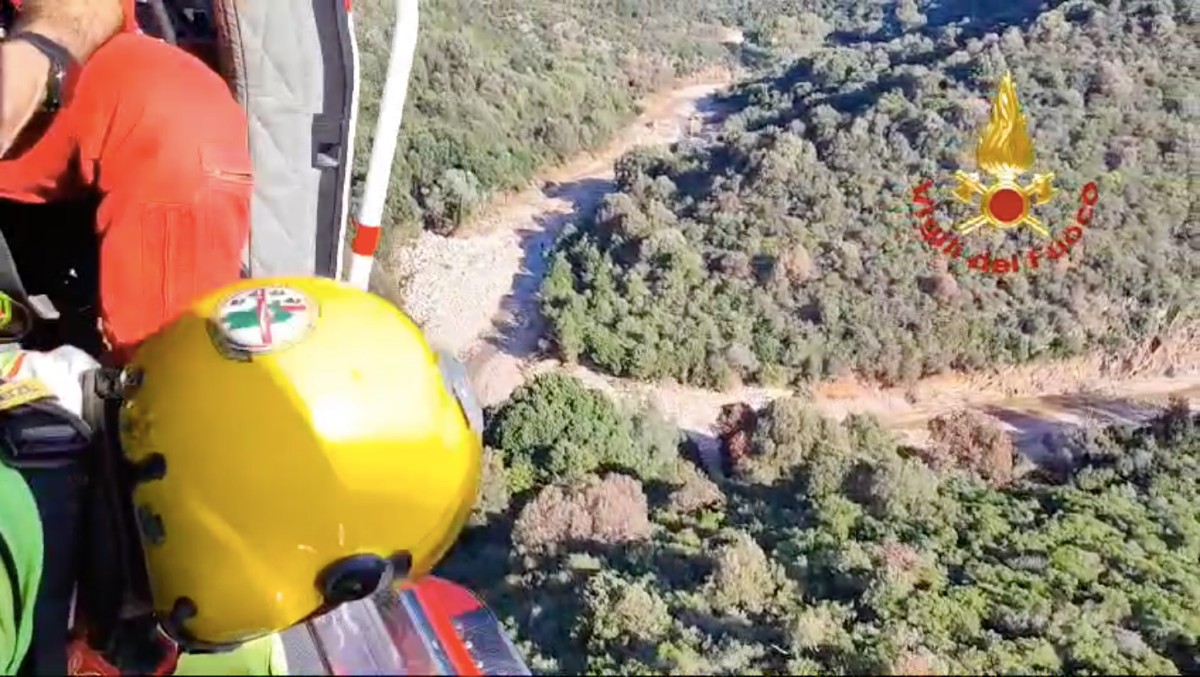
<point x="383" y="150"/>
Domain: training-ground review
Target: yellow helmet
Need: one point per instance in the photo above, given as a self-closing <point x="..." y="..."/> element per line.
<point x="294" y="437"/>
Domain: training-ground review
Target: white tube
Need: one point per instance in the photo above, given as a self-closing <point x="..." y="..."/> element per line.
<point x="351" y="134"/>
<point x="360" y="270"/>
<point x="383" y="150"/>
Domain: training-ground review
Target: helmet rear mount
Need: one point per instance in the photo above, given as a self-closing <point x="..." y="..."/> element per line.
<point x="359" y="576"/>
<point x="352" y="578"/>
<point x="346" y="580"/>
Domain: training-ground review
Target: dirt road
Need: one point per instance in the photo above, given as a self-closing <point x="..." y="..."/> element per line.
<point x="1032" y="402"/>
<point x="476" y="294"/>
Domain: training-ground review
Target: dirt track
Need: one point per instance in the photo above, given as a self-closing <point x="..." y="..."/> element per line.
<point x="476" y="294"/>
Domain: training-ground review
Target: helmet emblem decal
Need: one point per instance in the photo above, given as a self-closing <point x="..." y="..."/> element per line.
<point x="262" y="320"/>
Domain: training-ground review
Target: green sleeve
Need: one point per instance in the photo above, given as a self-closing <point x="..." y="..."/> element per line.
<point x="21" y="537"/>
<point x="20" y="567"/>
<point x="260" y="657"/>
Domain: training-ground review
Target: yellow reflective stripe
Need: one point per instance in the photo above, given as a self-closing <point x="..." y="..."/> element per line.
<point x="15" y="393"/>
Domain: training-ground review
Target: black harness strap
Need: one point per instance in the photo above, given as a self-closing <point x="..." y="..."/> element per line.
<point x="10" y="570"/>
<point x="11" y="284"/>
<point x="113" y="602"/>
<point x="10" y="279"/>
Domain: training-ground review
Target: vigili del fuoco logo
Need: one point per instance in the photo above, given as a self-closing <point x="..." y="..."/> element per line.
<point x="1004" y="154"/>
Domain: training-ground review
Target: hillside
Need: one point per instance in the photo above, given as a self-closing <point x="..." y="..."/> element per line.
<point x="834" y="549"/>
<point x="786" y="252"/>
<point x="783" y="253"/>
<point x="501" y="88"/>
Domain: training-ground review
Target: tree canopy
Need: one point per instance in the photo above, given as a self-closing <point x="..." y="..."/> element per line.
<point x="787" y="250"/>
<point x="838" y="550"/>
<point x="502" y="88"/>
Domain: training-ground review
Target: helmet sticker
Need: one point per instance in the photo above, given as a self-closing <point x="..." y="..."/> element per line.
<point x="262" y="320"/>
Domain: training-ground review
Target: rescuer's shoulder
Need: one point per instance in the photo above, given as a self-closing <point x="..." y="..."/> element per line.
<point x="20" y="567"/>
<point x="260" y="657"/>
<point x="79" y="25"/>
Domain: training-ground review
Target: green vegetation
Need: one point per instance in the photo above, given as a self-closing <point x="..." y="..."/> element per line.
<point x="502" y="88"/>
<point x="835" y="550"/>
<point x="785" y="252"/>
<point x="554" y="429"/>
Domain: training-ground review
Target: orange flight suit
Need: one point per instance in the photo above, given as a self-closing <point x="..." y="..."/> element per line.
<point x="160" y="137"/>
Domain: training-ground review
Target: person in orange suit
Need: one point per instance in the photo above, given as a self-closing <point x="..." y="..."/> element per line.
<point x="90" y="106"/>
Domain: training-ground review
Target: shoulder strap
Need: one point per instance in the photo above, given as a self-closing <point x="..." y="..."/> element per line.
<point x="11" y="284"/>
<point x="10" y="279"/>
<point x="53" y="51"/>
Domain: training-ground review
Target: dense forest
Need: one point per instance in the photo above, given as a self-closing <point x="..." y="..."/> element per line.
<point x="833" y="548"/>
<point x="502" y="88"/>
<point x="786" y="251"/>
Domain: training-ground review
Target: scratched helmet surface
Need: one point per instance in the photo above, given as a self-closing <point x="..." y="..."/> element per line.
<point x="296" y="436"/>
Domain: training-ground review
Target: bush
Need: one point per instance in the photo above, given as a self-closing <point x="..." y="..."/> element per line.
<point x="556" y="429"/>
<point x="494" y="492"/>
<point x="696" y="493"/>
<point x="971" y="441"/>
<point x="862" y="561"/>
<point x="606" y="511"/>
<point x="744" y="579"/>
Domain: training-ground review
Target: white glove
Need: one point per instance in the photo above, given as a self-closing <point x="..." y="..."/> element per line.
<point x="60" y="369"/>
